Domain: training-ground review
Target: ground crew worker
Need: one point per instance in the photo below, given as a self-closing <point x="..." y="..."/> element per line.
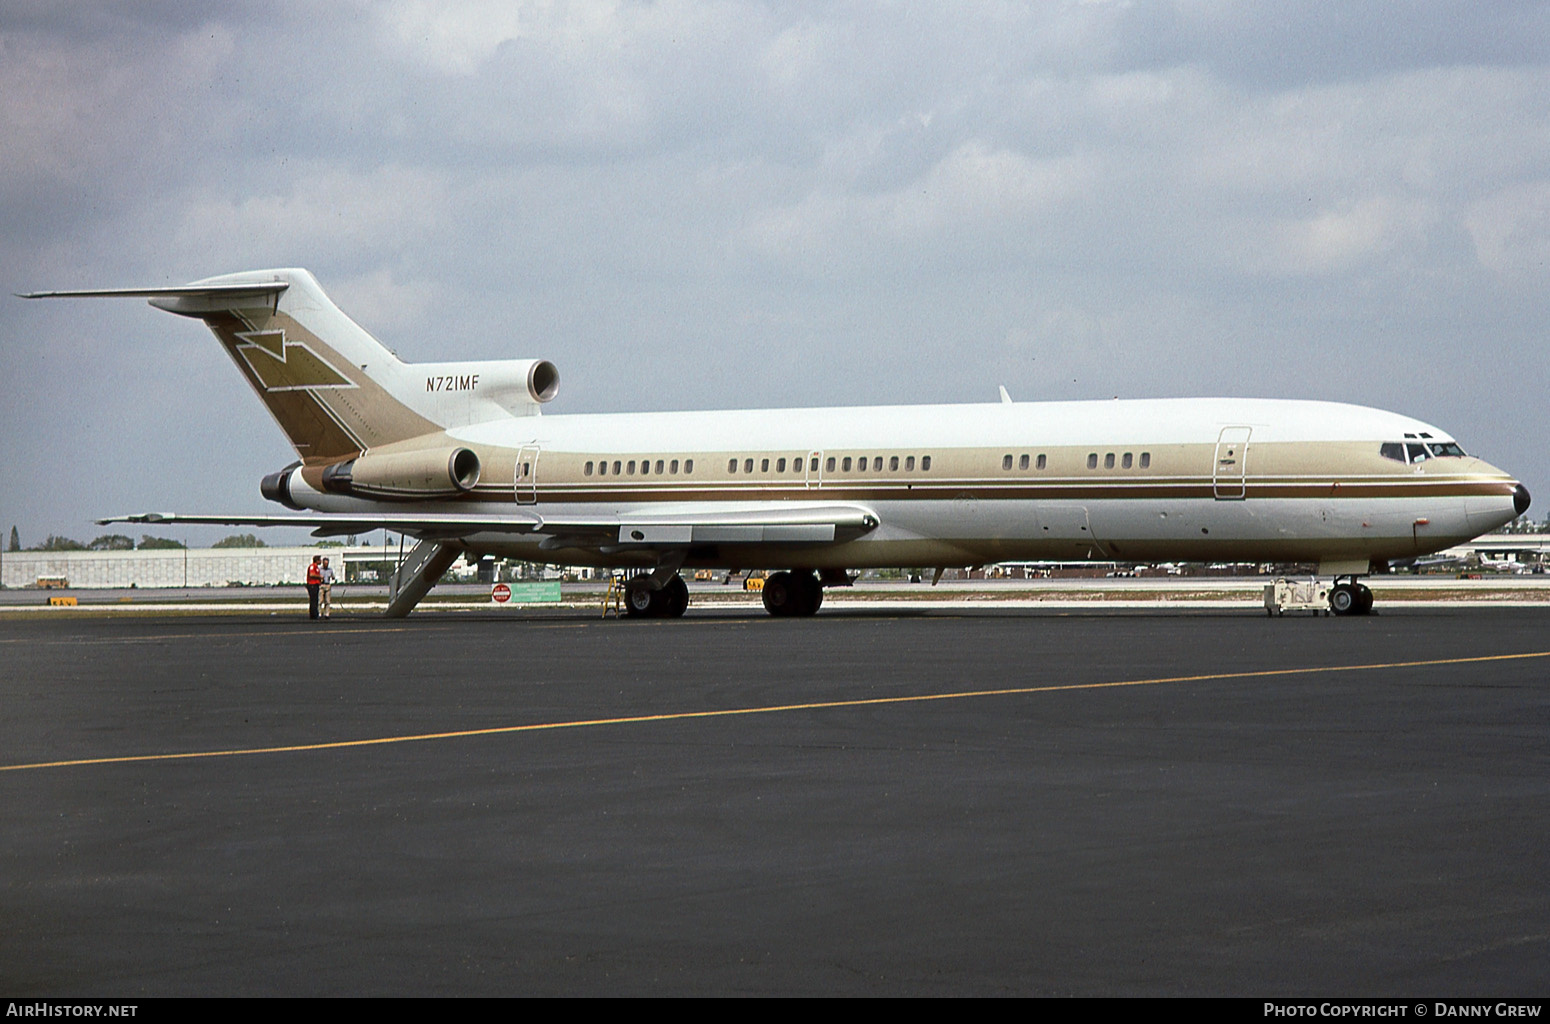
<point x="314" y="584"/>
<point x="325" y="588"/>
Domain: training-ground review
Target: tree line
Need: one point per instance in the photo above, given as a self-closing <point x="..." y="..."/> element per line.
<point x="120" y="542"/>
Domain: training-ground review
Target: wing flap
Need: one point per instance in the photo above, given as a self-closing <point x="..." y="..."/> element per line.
<point x="658" y="535"/>
<point x="743" y="524"/>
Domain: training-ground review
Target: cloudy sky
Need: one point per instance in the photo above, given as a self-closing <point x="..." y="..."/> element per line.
<point x="701" y="204"/>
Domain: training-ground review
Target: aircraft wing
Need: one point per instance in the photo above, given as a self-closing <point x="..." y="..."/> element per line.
<point x="660" y="528"/>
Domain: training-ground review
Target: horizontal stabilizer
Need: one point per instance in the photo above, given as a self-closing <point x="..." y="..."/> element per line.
<point x="326" y="525"/>
<point x="221" y="291"/>
<point x="197" y="300"/>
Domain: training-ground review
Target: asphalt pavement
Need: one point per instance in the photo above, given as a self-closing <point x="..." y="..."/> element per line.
<point x="877" y="801"/>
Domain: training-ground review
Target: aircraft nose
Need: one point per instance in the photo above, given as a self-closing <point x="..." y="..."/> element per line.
<point x="1520" y="499"/>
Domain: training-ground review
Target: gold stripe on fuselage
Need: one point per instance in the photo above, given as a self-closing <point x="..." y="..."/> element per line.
<point x="1286" y="470"/>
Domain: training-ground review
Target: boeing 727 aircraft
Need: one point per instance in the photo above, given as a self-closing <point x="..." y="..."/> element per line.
<point x="458" y="456"/>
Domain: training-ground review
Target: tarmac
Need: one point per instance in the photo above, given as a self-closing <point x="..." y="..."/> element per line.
<point x="878" y="801"/>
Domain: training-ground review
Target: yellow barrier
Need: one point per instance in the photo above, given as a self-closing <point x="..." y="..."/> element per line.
<point x="61" y="602"/>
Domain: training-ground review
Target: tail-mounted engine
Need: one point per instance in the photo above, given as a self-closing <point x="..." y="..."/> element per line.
<point x="440" y="472"/>
<point x="457" y="394"/>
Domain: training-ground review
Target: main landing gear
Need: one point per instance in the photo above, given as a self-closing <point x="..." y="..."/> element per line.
<point x="644" y="598"/>
<point x="796" y="593"/>
<point x="786" y="594"/>
<point x="1350" y="598"/>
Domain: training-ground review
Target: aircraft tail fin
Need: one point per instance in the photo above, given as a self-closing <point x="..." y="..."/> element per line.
<point x="334" y="389"/>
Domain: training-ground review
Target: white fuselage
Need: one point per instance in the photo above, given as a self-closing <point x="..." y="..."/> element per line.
<point x="1175" y="479"/>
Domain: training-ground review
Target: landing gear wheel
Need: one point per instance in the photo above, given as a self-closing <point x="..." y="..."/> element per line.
<point x="1342" y="599"/>
<point x="1350" y="599"/>
<point x="640" y="601"/>
<point x="675" y="597"/>
<point x="807" y="594"/>
<point x="1363" y="600"/>
<point x="779" y="595"/>
<point x="792" y="593"/>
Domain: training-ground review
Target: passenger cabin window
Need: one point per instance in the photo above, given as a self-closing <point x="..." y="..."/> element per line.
<point x="1006" y="462"/>
<point x="1022" y="463"/>
<point x="893" y="464"/>
<point x="1092" y="460"/>
<point x="1125" y="462"/>
<point x="731" y="465"/>
<point x="1146" y="460"/>
<point x="1108" y="461"/>
<point x="925" y="463"/>
<point x="588" y="469"/>
<point x="1042" y="462"/>
<point x="909" y="463"/>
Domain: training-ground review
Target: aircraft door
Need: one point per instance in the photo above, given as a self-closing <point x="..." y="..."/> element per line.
<point x="525" y="475"/>
<point x="1229" y="472"/>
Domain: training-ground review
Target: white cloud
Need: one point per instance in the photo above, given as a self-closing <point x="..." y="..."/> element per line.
<point x="75" y="111"/>
<point x="1511" y="232"/>
<point x="1326" y="241"/>
<point x="327" y="213"/>
<point x="459" y="37"/>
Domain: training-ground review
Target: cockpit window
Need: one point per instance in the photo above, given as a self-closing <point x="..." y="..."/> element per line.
<point x="1413" y="451"/>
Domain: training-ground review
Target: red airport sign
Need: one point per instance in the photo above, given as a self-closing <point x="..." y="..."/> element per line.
<point x="501" y="594"/>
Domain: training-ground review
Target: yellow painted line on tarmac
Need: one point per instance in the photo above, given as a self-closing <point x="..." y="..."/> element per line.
<point x="673" y="716"/>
